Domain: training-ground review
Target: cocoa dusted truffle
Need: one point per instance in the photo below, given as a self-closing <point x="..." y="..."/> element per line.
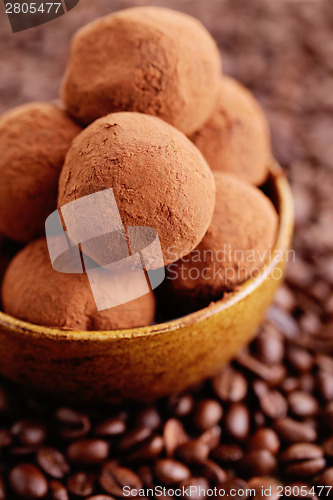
<point x="147" y="59"/>
<point x="33" y="291"/>
<point x="236" y="138"/>
<point x="34" y="139"/>
<point x="238" y="242"/>
<point x="159" y="179"/>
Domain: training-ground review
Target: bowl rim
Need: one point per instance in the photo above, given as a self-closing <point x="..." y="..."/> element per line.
<point x="286" y="220"/>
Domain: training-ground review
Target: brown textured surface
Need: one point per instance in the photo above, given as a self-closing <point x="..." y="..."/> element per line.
<point x="240" y="239"/>
<point x="159" y="178"/>
<point x="236" y="138"/>
<point x="33" y="291"/>
<point x="34" y="140"/>
<point x="150" y="60"/>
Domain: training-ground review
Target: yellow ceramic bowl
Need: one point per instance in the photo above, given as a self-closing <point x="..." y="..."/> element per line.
<point x="144" y="363"/>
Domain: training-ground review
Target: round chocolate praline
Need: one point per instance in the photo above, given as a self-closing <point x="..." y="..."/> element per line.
<point x="158" y="177"/>
<point x="33" y="291"/>
<point x="147" y="59"/>
<point x="236" y="137"/>
<point x="239" y="241"/>
<point x="34" y="139"/>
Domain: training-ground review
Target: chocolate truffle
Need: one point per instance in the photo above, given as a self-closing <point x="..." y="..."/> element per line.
<point x="159" y="179"/>
<point x="34" y="139"/>
<point x="236" y="138"/>
<point x="33" y="291"/>
<point x="238" y="242"/>
<point x="148" y="59"/>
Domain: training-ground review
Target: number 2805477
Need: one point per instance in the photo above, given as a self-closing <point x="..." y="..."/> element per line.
<point x="33" y="7"/>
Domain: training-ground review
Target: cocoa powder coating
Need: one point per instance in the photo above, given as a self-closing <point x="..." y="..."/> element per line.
<point x="148" y="59"/>
<point x="236" y="138"/>
<point x="33" y="291"/>
<point x="34" y="139"/>
<point x="159" y="179"/>
<point x="238" y="242"/>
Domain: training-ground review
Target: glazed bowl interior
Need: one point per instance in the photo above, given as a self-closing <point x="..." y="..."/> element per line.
<point x="147" y="362"/>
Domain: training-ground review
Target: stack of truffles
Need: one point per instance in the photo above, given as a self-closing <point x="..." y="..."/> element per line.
<point x="147" y="112"/>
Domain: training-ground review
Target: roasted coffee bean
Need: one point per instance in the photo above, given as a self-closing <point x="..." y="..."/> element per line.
<point x="52" y="462"/>
<point x="211" y="437"/>
<point x="269" y="347"/>
<point x="307" y="382"/>
<point x="88" y="452"/>
<point x="272" y="374"/>
<point x="293" y="431"/>
<point x="265" y="488"/>
<point x="299" y="359"/>
<point x="320" y="290"/>
<point x="72" y="424"/>
<point x="290" y="384"/>
<point x="228" y="455"/>
<point x="265" y="439"/>
<point x="81" y="484"/>
<point x="29" y="433"/>
<point x="303" y="460"/>
<point x="111" y="427"/>
<point x="326" y="478"/>
<point x="235" y="488"/>
<point x="197" y="485"/>
<point x="149" y="417"/>
<point x="285" y="299"/>
<point x="258" y="463"/>
<point x="174" y="435"/>
<point x="310" y="322"/>
<point x="192" y="451"/>
<point x="171" y="472"/>
<point x="230" y="385"/>
<point x="302" y="404"/>
<point x="134" y="438"/>
<point x="237" y="421"/>
<point x="212" y="471"/>
<point x="181" y="406"/>
<point x="148" y="450"/>
<point x="57" y="491"/>
<point x="28" y="481"/>
<point x="113" y="478"/>
<point x="259" y="419"/>
<point x="207" y="413"/>
<point x="271" y="401"/>
<point x="284" y="321"/>
<point x="146" y="474"/>
<point x="324" y="363"/>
